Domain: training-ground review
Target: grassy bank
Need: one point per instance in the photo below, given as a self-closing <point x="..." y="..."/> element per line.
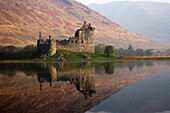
<point x="145" y="58"/>
<point x="83" y="56"/>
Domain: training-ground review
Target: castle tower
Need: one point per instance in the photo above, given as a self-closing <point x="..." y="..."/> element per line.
<point x="52" y="46"/>
<point x="40" y="35"/>
<point x="84" y="30"/>
<point x="83" y="41"/>
<point x="90" y="34"/>
<point x="46" y="47"/>
<point x="39" y="39"/>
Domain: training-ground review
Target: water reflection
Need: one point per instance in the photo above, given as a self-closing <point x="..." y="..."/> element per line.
<point x="79" y="74"/>
<point x="72" y="87"/>
<point x="132" y="65"/>
<point x="150" y="95"/>
<point x="82" y="79"/>
<point x="45" y="75"/>
<point x="100" y="68"/>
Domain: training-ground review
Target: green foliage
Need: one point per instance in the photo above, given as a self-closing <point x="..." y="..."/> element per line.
<point x="80" y="56"/>
<point x="108" y="51"/>
<point x="32" y="52"/>
<point x="130" y="47"/>
<point x="148" y="52"/>
<point x="131" y="52"/>
<point x="11" y="52"/>
<point x="140" y="52"/>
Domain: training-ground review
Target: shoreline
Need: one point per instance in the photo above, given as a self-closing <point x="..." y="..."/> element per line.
<point x="123" y="58"/>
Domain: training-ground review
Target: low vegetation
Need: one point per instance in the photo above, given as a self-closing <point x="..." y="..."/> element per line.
<point x="11" y="53"/>
<point x="81" y="56"/>
<point x="31" y="53"/>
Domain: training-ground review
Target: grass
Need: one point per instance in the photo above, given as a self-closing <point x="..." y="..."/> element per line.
<point x="84" y="56"/>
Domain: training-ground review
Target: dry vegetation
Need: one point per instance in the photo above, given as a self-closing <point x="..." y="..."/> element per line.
<point x="21" y="20"/>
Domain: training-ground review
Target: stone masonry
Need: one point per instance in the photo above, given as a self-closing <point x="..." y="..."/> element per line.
<point x="83" y="41"/>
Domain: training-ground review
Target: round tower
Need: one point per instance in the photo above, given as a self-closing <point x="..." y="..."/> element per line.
<point x="52" y="47"/>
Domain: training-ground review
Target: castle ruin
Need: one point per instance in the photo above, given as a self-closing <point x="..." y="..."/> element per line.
<point x="47" y="47"/>
<point x="83" y="41"/>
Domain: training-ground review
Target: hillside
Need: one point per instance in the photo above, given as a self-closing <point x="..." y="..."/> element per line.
<point x="21" y="20"/>
<point x="148" y="18"/>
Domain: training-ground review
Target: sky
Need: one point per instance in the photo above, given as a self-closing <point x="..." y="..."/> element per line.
<point x="106" y="1"/>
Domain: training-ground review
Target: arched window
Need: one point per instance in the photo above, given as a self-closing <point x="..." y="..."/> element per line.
<point x="82" y="42"/>
<point x="75" y="41"/>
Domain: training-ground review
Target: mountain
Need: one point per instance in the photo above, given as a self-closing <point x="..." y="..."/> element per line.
<point x="151" y="19"/>
<point x="21" y="20"/>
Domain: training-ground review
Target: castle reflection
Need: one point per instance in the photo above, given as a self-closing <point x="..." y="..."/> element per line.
<point x="83" y="78"/>
<point x="80" y="74"/>
<point x="44" y="74"/>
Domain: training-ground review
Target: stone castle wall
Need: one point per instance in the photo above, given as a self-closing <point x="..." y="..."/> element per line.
<point x="83" y="41"/>
<point x="47" y="47"/>
<point x="76" y="47"/>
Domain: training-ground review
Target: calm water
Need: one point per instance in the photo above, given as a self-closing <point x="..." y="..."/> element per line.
<point x="91" y="87"/>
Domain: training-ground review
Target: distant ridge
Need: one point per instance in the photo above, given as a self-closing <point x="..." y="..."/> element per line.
<point x="152" y="19"/>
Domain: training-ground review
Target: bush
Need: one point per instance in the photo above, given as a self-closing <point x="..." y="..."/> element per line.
<point x="108" y="51"/>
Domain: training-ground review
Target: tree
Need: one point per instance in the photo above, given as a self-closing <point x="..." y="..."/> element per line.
<point x="130" y="47"/>
<point x="130" y="51"/>
<point x="119" y="52"/>
<point x="108" y="51"/>
<point x="140" y="52"/>
<point x="149" y="52"/>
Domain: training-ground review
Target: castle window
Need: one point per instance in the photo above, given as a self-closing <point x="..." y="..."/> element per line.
<point x="82" y="41"/>
<point x="75" y="41"/>
<point x="71" y="41"/>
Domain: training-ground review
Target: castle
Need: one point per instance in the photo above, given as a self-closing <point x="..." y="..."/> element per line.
<point x="83" y="41"/>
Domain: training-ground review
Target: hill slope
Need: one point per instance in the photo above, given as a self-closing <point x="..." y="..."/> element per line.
<point x="148" y="18"/>
<point x="21" y="20"/>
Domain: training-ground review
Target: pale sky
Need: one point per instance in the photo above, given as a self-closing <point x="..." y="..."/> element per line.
<point x="105" y="1"/>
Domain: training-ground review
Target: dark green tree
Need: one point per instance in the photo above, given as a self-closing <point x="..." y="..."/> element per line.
<point x="140" y="52"/>
<point x="149" y="52"/>
<point x="130" y="47"/>
<point x="130" y="51"/>
<point x="108" y="51"/>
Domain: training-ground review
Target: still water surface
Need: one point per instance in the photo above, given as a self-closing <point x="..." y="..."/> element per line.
<point x="91" y="87"/>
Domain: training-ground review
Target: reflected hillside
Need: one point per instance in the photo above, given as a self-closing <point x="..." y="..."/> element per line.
<point x="32" y="69"/>
<point x="67" y="87"/>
